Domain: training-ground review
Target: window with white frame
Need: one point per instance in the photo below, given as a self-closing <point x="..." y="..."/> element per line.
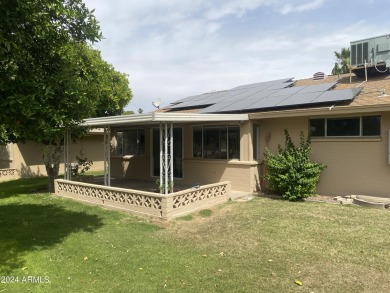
<point x="216" y="142"/>
<point x="130" y="142"/>
<point x="361" y="126"/>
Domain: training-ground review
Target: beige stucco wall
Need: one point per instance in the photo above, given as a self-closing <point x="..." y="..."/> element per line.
<point x="354" y="165"/>
<point x="131" y="167"/>
<point x="242" y="175"/>
<point x="5" y="156"/>
<point x="28" y="162"/>
<point x="272" y="132"/>
<point x="92" y="147"/>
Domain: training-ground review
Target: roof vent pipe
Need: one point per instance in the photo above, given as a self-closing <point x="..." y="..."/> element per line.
<point x="365" y="68"/>
<point x="383" y="93"/>
<point x="319" y="75"/>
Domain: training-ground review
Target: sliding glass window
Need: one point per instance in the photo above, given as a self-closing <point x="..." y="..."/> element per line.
<point x="216" y="142"/>
<point x="130" y="142"/>
<point x="361" y="126"/>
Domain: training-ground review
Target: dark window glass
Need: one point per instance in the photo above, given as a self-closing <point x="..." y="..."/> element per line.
<point x="317" y="127"/>
<point x="343" y="126"/>
<point x="371" y="125"/>
<point x="197" y="143"/>
<point x="119" y="143"/>
<point x="131" y="142"/>
<point x="255" y="142"/>
<point x="234" y="142"/>
<point x="215" y="143"/>
<point x="177" y="153"/>
<point x="156" y="152"/>
<point x="141" y="142"/>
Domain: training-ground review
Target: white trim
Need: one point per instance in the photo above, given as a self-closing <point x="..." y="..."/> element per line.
<point x="166" y="166"/>
<point x="155" y="117"/>
<point x="324" y="111"/>
<point x="161" y="157"/>
<point x="171" y="156"/>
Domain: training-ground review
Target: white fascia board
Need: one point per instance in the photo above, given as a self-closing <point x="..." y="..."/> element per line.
<point x="197" y="117"/>
<point x="155" y="117"/>
<point x="118" y="120"/>
<point x="324" y="111"/>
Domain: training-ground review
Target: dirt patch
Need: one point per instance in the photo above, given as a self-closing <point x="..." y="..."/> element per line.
<point x="217" y="230"/>
<point x="322" y="198"/>
<point x="318" y="198"/>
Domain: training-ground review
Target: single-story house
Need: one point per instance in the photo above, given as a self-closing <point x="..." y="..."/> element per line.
<point x="222" y="135"/>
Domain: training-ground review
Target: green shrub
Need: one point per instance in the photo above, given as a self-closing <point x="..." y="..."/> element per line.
<point x="81" y="166"/>
<point x="291" y="173"/>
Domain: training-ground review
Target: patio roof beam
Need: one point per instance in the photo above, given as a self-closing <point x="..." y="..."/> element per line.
<point x="156" y="117"/>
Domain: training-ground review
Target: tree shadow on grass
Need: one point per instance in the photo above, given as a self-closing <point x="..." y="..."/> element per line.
<point x="28" y="227"/>
<point x="23" y="186"/>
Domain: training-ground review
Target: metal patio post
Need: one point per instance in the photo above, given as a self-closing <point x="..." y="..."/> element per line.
<point x="107" y="148"/>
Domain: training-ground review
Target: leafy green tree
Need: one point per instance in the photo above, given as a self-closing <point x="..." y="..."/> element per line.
<point x="291" y="172"/>
<point x="109" y="87"/>
<point x="38" y="73"/>
<point x="96" y="90"/>
<point x="343" y="61"/>
<point x="50" y="77"/>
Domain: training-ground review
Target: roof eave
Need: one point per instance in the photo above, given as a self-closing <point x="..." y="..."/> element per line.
<point x="322" y="111"/>
<point x="157" y="117"/>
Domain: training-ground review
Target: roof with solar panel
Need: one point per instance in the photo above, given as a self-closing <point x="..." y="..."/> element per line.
<point x="270" y="95"/>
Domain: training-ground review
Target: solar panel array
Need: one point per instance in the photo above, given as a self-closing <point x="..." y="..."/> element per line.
<point x="265" y="95"/>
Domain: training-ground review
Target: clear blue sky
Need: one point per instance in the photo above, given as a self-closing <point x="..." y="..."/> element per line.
<point x="172" y="49"/>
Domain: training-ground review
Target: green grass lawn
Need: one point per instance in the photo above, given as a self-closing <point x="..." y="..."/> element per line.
<point x="263" y="245"/>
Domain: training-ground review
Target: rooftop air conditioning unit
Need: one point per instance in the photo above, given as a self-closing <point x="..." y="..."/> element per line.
<point x="373" y="53"/>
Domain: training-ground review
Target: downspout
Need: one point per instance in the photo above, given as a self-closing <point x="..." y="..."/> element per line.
<point x="166" y="158"/>
<point x="171" y="158"/>
<point x="161" y="157"/>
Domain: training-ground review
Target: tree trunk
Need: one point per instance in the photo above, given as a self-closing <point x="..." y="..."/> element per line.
<point x="51" y="158"/>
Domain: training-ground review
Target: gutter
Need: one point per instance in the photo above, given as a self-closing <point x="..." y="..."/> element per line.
<point x="323" y="111"/>
<point x="156" y="117"/>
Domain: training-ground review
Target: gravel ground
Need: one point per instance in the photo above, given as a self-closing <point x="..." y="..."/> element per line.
<point x="322" y="198"/>
<point x="319" y="198"/>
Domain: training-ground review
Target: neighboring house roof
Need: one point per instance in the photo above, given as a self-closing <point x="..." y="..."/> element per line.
<point x="292" y="96"/>
<point x="96" y="131"/>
